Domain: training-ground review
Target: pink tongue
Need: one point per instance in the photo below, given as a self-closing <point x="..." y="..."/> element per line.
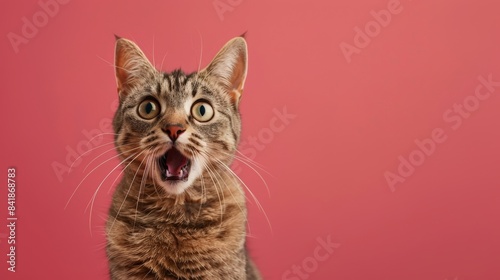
<point x="175" y="162"/>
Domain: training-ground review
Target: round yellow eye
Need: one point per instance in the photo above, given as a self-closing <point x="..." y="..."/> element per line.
<point x="148" y="109"/>
<point x="202" y="111"/>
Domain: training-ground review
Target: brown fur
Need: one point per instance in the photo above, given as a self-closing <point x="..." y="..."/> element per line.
<point x="154" y="232"/>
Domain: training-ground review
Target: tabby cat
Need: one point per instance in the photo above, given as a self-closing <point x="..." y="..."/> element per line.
<point x="179" y="211"/>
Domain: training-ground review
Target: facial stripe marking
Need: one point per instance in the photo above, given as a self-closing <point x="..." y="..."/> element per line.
<point x="224" y="145"/>
<point x="196" y="135"/>
<point x="195" y="142"/>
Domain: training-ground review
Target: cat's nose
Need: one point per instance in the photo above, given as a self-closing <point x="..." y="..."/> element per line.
<point x="173" y="131"/>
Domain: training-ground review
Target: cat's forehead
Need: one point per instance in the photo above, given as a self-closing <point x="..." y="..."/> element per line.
<point x="175" y="88"/>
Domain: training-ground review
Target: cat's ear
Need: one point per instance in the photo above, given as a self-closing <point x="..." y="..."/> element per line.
<point x="130" y="64"/>
<point x="229" y="67"/>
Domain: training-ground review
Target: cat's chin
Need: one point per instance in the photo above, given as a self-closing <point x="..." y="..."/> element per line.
<point x="174" y="188"/>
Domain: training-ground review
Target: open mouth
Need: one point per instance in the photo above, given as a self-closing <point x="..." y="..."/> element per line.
<point x="174" y="166"/>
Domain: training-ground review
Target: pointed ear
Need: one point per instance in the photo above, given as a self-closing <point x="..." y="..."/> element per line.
<point x="229" y="67"/>
<point x="130" y="64"/>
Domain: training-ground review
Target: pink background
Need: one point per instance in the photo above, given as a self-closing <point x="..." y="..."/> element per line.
<point x="353" y="121"/>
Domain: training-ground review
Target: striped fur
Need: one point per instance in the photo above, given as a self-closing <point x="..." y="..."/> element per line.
<point x="187" y="230"/>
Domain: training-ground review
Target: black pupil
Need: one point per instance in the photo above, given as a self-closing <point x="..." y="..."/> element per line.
<point x="202" y="110"/>
<point x="149" y="107"/>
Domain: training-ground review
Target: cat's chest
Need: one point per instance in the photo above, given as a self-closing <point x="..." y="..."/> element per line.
<point x="181" y="249"/>
<point x="173" y="239"/>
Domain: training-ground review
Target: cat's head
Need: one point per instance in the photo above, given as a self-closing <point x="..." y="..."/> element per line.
<point x="172" y="127"/>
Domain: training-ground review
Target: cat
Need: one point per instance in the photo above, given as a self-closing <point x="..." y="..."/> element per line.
<point x="179" y="211"/>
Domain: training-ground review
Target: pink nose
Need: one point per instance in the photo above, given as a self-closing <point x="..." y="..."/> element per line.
<point x="173" y="131"/>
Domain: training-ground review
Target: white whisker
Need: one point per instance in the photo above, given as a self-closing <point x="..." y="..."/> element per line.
<point x="86" y="152"/>
<point x="88" y="174"/>
<point x="216" y="182"/>
<point x="259" y="205"/>
<point x="102" y="182"/>
<point x="141" y="186"/>
<point x="94" y="159"/>
<point x="126" y="195"/>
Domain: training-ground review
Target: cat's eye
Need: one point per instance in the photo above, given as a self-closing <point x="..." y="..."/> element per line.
<point x="148" y="109"/>
<point x="202" y="111"/>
